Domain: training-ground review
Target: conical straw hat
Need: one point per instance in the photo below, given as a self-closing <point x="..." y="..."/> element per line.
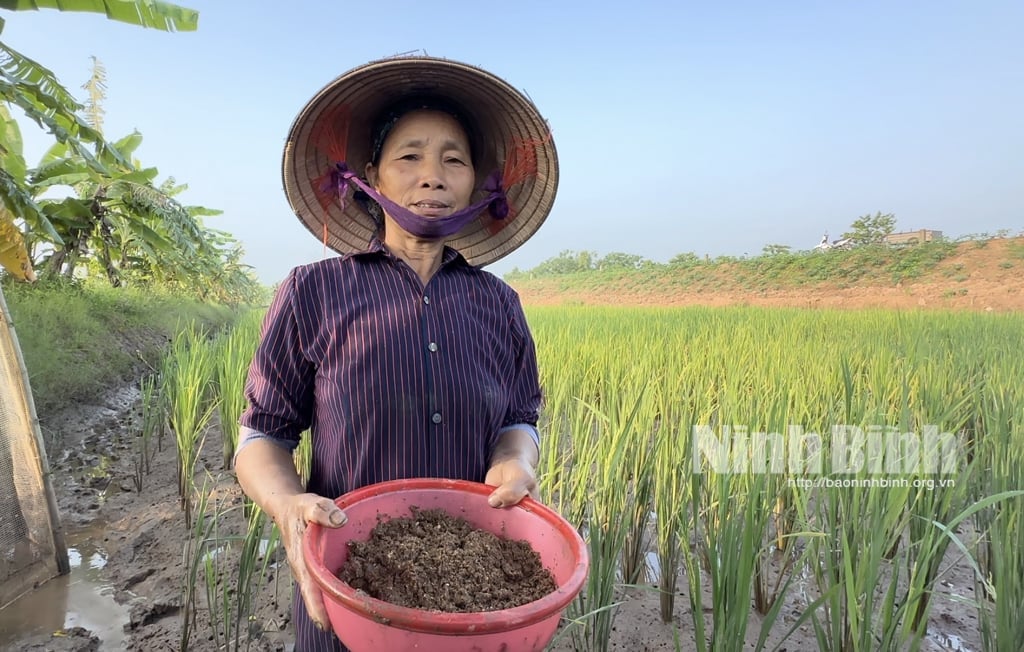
<point x="337" y="123"/>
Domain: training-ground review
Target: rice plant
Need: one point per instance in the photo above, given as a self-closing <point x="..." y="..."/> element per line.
<point x="815" y="514"/>
<point x="257" y="544"/>
<point x="188" y="370"/>
<point x="192" y="562"/>
<point x="1002" y="617"/>
<point x="303" y="457"/>
<point x="151" y="425"/>
<point x="234" y="350"/>
<point x="763" y="369"/>
<point x="671" y="471"/>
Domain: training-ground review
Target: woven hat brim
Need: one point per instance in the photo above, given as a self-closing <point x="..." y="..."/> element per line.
<point x="502" y="114"/>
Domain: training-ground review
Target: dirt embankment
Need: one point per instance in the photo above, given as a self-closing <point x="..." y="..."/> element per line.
<point x="983" y="275"/>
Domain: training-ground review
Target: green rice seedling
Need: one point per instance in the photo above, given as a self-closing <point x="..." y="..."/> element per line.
<point x="189" y="370"/>
<point x="563" y="483"/>
<point x="250" y="574"/>
<point x="873" y="541"/>
<point x="574" y="496"/>
<point x="192" y="561"/>
<point x="1002" y="620"/>
<point x="940" y="496"/>
<point x="771" y="581"/>
<point x="852" y="568"/>
<point x="152" y="421"/>
<point x="218" y="594"/>
<point x="234" y="350"/>
<point x="640" y="485"/>
<point x="990" y="637"/>
<point x="606" y="522"/>
<point x="671" y="470"/>
<point x="228" y="584"/>
<point x="731" y="499"/>
<point x="863" y="518"/>
<point x="728" y="513"/>
<point x="735" y="491"/>
<point x="568" y="376"/>
<point x="839" y="563"/>
<point x="160" y="404"/>
<point x="303" y="456"/>
<point x="209" y="558"/>
<point x="553" y="466"/>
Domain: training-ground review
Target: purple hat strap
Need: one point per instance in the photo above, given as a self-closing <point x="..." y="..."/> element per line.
<point x="422" y="227"/>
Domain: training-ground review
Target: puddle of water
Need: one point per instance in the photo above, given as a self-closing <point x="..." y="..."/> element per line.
<point x="948" y="642"/>
<point x="653" y="568"/>
<point x="79" y="599"/>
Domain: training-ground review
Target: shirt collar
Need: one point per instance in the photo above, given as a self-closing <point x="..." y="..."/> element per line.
<point x="375" y="248"/>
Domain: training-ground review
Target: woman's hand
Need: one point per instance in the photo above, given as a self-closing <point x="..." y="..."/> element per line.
<point x="512" y="471"/>
<point x="515" y="479"/>
<point x="293" y="514"/>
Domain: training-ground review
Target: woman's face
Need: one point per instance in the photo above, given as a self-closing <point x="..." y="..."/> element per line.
<point x="425" y="165"/>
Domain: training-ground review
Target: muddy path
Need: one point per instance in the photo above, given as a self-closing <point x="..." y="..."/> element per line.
<point x="126" y="545"/>
<point x="127" y="549"/>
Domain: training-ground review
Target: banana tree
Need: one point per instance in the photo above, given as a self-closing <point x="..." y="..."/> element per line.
<point x="14" y="200"/>
<point x="34" y="89"/>
<point x="119" y="219"/>
<point x="132" y="230"/>
<point x="144" y="13"/>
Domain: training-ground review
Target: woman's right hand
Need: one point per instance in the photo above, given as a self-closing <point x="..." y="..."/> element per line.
<point x="294" y="513"/>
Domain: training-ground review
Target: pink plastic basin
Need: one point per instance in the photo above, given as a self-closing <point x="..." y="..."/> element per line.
<point x="365" y="624"/>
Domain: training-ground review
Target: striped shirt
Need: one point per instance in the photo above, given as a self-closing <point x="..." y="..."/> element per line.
<point x="392" y="378"/>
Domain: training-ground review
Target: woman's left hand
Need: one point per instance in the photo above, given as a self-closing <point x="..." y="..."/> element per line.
<point x="514" y="478"/>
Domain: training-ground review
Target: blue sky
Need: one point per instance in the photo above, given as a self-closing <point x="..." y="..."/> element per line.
<point x="711" y="127"/>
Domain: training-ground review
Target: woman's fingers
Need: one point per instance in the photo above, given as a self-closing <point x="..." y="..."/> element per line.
<point x="326" y="513"/>
<point x="307" y="508"/>
<point x="514" y="480"/>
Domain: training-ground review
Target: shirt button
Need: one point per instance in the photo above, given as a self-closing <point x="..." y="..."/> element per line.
<point x="436" y="417"/>
<point x="426" y="300"/>
<point x="432" y="346"/>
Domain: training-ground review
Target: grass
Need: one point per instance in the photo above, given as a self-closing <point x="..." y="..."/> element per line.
<point x="80" y="339"/>
<point x="865" y="265"/>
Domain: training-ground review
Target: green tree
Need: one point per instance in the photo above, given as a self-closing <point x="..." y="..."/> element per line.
<point x="566" y="262"/>
<point x="15" y="201"/>
<point x="618" y="260"/>
<point x="775" y="249"/>
<point x="34" y="89"/>
<point x="871" y="229"/>
<point x="144" y="13"/>
<point x="686" y="259"/>
<point x="112" y="214"/>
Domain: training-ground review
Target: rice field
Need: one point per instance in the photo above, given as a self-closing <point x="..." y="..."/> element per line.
<point x="825" y="463"/>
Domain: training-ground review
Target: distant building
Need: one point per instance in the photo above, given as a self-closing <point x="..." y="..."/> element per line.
<point x="912" y="237"/>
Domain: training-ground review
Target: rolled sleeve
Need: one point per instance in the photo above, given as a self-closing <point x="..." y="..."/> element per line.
<point x="529" y="428"/>
<point x="279" y="386"/>
<point x="525" y="393"/>
<point x="247" y="436"/>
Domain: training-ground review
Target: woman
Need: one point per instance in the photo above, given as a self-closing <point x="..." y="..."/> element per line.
<point x="401" y="357"/>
